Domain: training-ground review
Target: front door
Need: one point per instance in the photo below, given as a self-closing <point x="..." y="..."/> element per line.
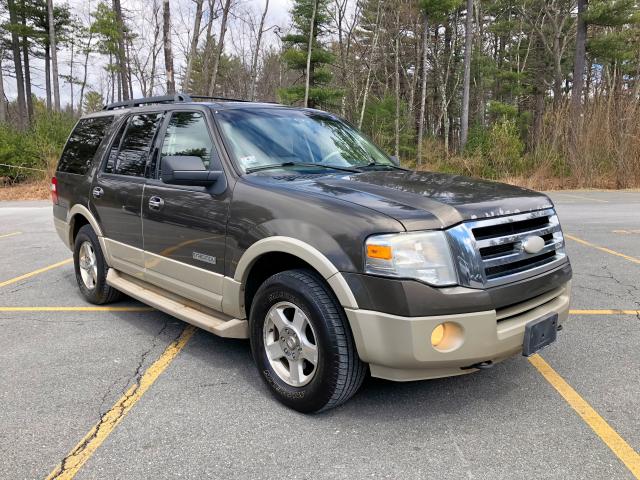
<point x="184" y="227"/>
<point x="116" y="193"/>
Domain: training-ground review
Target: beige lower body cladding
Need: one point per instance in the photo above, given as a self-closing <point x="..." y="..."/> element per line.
<point x="399" y="348"/>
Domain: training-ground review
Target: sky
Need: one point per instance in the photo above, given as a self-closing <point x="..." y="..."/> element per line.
<point x="182" y="11"/>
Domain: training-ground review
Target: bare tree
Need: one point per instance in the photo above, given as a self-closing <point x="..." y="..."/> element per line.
<point x="466" y="82"/>
<point x="579" y="62"/>
<point x="17" y="63"/>
<point x="121" y="54"/>
<point x="3" y="101"/>
<point x="193" y="49"/>
<point x="423" y="90"/>
<point x="220" y="47"/>
<point x="54" y="57"/>
<point x="27" y="66"/>
<point x="83" y="84"/>
<point x="168" y="53"/>
<point x="312" y="27"/>
<point x="374" y="45"/>
<point x="396" y="84"/>
<point x="256" y="53"/>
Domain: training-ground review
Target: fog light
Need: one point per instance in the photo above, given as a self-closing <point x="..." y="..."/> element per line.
<point x="437" y="335"/>
<point x="447" y="337"/>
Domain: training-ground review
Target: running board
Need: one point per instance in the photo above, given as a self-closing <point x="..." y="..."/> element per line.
<point x="160" y="299"/>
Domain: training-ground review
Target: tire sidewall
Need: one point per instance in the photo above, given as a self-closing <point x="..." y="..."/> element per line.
<point x="317" y="393"/>
<point x="96" y="294"/>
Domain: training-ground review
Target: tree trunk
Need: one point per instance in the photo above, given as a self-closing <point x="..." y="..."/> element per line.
<point x="71" y="76"/>
<point x="397" y="88"/>
<point x="54" y="57"/>
<point x="312" y="29"/>
<point x="423" y="92"/>
<point x="154" y="54"/>
<point x="85" y="67"/>
<point x="220" y="47"/>
<point x="579" y="63"/>
<point x="466" y="82"/>
<point x="47" y="76"/>
<point x="120" y="55"/>
<point x="17" y="63"/>
<point x="207" y="45"/>
<point x="479" y="79"/>
<point x="193" y="49"/>
<point x="557" y="71"/>
<point x="168" y="53"/>
<point x="27" y="68"/>
<point x="256" y="54"/>
<point x="3" y="103"/>
<point x="367" y="84"/>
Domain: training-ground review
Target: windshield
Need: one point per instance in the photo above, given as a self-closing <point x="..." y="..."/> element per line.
<point x="273" y="136"/>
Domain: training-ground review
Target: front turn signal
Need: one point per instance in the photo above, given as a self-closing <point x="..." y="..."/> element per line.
<point x="382" y="252"/>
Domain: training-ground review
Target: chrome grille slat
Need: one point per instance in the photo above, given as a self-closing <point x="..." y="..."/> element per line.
<point x="498" y="257"/>
<point x="516" y="237"/>
<point x="514" y="257"/>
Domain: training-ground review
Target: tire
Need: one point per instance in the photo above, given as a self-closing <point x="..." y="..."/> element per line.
<point x="277" y="319"/>
<point x="92" y="280"/>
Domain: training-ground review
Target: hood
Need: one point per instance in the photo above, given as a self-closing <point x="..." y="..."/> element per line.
<point x="423" y="200"/>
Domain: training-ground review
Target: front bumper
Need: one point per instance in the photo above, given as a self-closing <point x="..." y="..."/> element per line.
<point x="399" y="348"/>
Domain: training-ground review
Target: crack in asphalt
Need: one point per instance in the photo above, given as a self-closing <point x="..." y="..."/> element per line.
<point x="127" y="393"/>
<point x="631" y="290"/>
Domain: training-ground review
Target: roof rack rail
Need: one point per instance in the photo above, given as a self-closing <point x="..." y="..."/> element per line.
<point x="177" y="98"/>
<point x="224" y="99"/>
<point x="135" y="102"/>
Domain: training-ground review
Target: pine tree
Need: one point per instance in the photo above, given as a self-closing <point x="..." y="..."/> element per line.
<point x="300" y="52"/>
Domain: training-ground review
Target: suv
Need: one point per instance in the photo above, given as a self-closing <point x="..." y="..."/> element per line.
<point x="288" y="227"/>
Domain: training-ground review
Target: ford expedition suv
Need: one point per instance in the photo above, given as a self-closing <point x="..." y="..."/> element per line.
<point x="288" y="227"/>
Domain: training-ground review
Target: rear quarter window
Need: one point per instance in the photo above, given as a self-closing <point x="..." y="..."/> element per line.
<point x="82" y="145"/>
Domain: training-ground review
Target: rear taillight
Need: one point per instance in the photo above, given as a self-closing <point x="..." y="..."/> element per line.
<point x="54" y="190"/>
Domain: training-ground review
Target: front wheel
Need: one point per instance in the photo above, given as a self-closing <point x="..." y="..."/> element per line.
<point x="302" y="344"/>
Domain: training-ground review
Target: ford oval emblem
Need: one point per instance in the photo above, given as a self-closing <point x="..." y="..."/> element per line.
<point x="533" y="244"/>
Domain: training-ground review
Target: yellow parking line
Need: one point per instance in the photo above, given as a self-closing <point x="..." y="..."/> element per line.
<point x="608" y="435"/>
<point x="10" y="234"/>
<point x="76" y="309"/>
<point x="72" y="463"/>
<point x="35" y="272"/>
<point x="603" y="249"/>
<point x="604" y="312"/>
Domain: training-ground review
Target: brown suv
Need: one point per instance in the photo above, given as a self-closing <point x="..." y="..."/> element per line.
<point x="289" y="227"/>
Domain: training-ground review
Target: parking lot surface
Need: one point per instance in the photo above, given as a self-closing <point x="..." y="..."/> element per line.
<point x="129" y="392"/>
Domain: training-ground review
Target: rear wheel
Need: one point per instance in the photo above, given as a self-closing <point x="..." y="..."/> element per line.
<point x="302" y="344"/>
<point x="91" y="268"/>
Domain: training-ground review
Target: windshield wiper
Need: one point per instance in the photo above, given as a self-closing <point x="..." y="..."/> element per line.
<point x="302" y="164"/>
<point x="377" y="164"/>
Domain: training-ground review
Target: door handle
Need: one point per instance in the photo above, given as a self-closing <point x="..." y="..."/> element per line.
<point x="98" y="192"/>
<point x="156" y="203"/>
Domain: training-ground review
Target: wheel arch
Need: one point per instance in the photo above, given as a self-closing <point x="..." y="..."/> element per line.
<point x="78" y="216"/>
<point x="274" y="254"/>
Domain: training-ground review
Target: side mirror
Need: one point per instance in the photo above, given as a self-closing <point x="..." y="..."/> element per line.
<point x="187" y="170"/>
<point x="395" y="160"/>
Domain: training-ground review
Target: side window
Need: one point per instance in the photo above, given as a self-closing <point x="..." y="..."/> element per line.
<point x="131" y="157"/>
<point x="188" y="135"/>
<point x="82" y="145"/>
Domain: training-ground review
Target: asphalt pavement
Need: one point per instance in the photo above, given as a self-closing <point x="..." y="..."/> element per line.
<point x="170" y="405"/>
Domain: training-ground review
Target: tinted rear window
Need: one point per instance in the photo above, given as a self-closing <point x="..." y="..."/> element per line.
<point x="82" y="145"/>
<point x="134" y="147"/>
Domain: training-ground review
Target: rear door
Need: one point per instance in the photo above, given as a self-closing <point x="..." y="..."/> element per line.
<point x="116" y="193"/>
<point x="184" y="226"/>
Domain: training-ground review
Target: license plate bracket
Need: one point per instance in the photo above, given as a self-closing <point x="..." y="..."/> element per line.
<point x="539" y="333"/>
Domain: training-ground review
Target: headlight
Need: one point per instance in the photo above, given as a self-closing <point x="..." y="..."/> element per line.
<point x="424" y="256"/>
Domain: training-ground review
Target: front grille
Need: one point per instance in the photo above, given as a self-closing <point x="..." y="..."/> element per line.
<point x="490" y="252"/>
